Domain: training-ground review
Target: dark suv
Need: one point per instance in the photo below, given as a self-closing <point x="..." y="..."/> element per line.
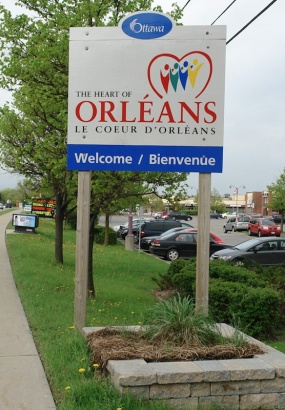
<point x="179" y="216"/>
<point x="154" y="228"/>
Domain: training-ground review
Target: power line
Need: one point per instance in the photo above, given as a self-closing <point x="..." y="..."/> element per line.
<point x="223" y="12"/>
<point x="251" y="21"/>
<point x="185" y="5"/>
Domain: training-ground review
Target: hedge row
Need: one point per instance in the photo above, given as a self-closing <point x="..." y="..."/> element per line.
<point x="252" y="299"/>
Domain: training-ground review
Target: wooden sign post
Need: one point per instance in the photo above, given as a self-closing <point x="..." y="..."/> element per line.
<point x="82" y="247"/>
<point x="203" y="244"/>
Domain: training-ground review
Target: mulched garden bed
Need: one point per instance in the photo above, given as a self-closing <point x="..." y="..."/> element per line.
<point x="111" y="344"/>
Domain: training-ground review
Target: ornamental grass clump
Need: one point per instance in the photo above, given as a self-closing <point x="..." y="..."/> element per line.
<point x="176" y="320"/>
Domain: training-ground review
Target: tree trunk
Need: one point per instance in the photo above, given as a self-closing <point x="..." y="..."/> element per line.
<point x="59" y="229"/>
<point x="90" y="281"/>
<point x="107" y="225"/>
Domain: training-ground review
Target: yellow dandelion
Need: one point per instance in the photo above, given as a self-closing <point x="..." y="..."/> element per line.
<point x="71" y="327"/>
<point x="95" y="365"/>
<point x="81" y="370"/>
<point x="67" y="388"/>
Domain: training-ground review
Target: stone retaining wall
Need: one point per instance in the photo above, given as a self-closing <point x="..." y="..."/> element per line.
<point x="246" y="384"/>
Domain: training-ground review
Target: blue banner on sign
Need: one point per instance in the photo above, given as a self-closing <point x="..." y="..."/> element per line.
<point x="144" y="158"/>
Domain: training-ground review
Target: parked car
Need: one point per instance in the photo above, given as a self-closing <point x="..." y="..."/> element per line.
<point x="262" y="251"/>
<point x="182" y="244"/>
<point x="236" y="223"/>
<point x="123" y="232"/>
<point x="215" y="215"/>
<point x="263" y="227"/>
<point x="179" y="216"/>
<point x="1" y="206"/>
<point x="276" y="219"/>
<point x="227" y="215"/>
<point x="255" y="216"/>
<point x="155" y="228"/>
<point x="126" y="224"/>
<point x="145" y="242"/>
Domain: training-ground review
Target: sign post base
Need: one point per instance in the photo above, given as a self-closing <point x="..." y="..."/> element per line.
<point x="130" y="243"/>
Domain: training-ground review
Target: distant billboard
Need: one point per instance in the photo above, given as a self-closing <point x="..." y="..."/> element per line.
<point x="44" y="207"/>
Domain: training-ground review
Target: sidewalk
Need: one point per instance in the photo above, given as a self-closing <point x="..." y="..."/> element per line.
<point x="23" y="384"/>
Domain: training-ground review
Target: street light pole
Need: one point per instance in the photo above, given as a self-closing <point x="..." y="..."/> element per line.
<point x="236" y="190"/>
<point x="193" y="187"/>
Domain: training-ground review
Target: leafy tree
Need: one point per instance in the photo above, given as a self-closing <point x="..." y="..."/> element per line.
<point x="217" y="203"/>
<point x="12" y="194"/>
<point x="34" y="66"/>
<point x="277" y="191"/>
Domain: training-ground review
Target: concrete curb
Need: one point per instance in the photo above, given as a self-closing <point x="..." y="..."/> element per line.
<point x="23" y="383"/>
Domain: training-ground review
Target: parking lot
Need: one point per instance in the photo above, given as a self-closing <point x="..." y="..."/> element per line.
<point x="216" y="226"/>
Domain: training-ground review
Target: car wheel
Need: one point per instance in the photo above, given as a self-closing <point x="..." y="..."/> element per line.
<point x="238" y="262"/>
<point x="225" y="230"/>
<point x="260" y="234"/>
<point x="249" y="232"/>
<point x="172" y="254"/>
<point x="173" y="218"/>
<point x="188" y="219"/>
<point x="277" y="236"/>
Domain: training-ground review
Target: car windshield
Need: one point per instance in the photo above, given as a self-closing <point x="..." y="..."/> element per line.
<point x="247" y="244"/>
<point x="244" y="219"/>
<point x="172" y="230"/>
<point x="167" y="234"/>
<point x="267" y="222"/>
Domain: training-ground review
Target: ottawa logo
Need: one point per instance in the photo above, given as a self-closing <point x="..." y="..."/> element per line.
<point x="169" y="74"/>
<point x="147" y="25"/>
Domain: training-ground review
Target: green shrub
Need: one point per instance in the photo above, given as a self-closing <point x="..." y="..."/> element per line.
<point x="276" y="277"/>
<point x="260" y="310"/>
<point x="255" y="297"/>
<point x="176" y="266"/>
<point x="185" y="282"/>
<point x="223" y="270"/>
<point x="222" y="299"/>
<point x="72" y="220"/>
<point x="257" y="309"/>
<point x="100" y="235"/>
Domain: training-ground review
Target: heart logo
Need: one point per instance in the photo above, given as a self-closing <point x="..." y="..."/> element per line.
<point x="169" y="74"/>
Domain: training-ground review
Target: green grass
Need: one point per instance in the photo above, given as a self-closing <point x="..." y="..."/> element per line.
<point x="279" y="343"/>
<point x="124" y="290"/>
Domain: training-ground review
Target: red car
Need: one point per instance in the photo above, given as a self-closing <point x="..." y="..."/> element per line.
<point x="263" y="227"/>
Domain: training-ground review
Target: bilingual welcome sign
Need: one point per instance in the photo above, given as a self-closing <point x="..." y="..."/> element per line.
<point x="146" y="96"/>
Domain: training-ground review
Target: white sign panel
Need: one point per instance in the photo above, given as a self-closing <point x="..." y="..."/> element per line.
<point x="146" y="96"/>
